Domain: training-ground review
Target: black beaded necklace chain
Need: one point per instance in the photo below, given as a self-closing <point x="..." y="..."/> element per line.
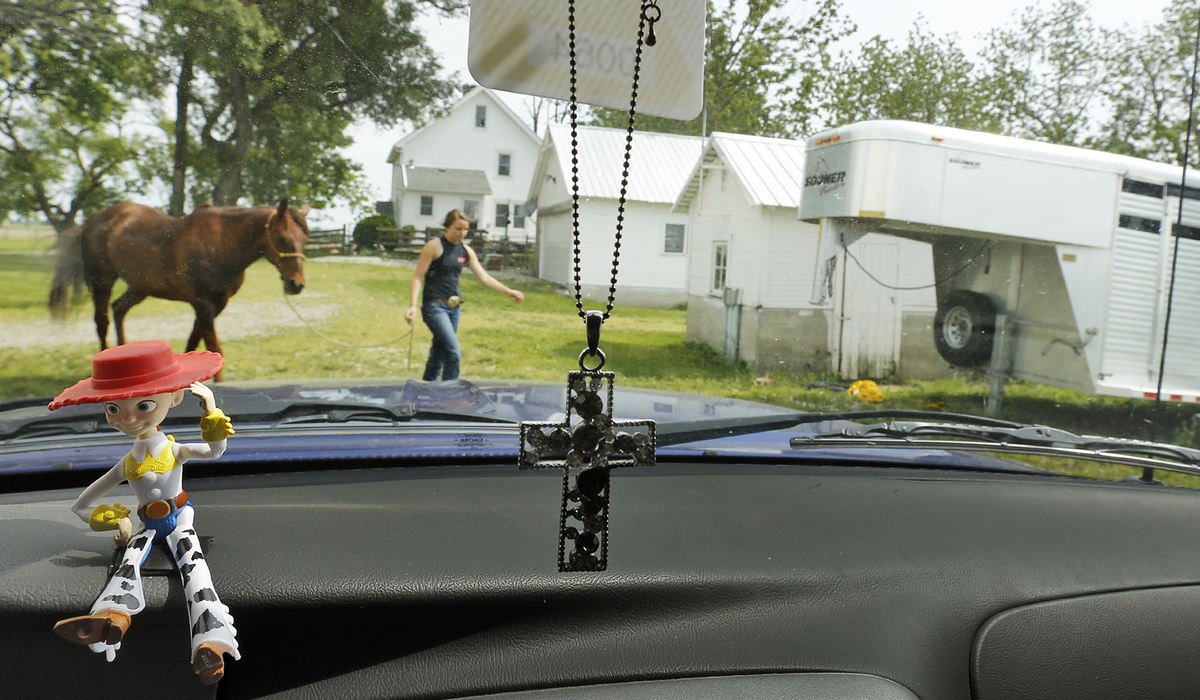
<point x="588" y="442"/>
<point x="650" y="13"/>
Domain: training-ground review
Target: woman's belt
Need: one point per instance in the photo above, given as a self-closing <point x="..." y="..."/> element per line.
<point x="452" y="302"/>
<point x="161" y="509"/>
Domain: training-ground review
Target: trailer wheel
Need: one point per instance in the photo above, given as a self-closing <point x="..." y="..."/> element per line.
<point x="964" y="327"/>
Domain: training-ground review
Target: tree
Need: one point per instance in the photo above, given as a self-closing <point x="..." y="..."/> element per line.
<point x="67" y="76"/>
<point x="928" y="79"/>
<point x="269" y="89"/>
<point x="1044" y="73"/>
<point x="1146" y="91"/>
<point x="759" y="72"/>
<point x="551" y="110"/>
<point x="57" y="17"/>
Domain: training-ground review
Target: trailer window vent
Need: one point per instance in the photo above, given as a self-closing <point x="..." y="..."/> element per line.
<point x="1185" y="231"/>
<point x="1148" y="189"/>
<point x="1139" y="223"/>
<point x="1188" y="193"/>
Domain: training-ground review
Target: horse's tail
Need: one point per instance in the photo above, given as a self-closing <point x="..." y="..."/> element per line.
<point x="68" y="272"/>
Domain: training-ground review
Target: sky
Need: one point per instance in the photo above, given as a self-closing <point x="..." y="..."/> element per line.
<point x="889" y="18"/>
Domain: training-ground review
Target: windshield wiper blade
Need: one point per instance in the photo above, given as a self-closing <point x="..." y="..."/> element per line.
<point x="56" y="425"/>
<point x="1013" y="438"/>
<point x="340" y="412"/>
<point x="290" y="413"/>
<point x="331" y="412"/>
<point x="679" y="432"/>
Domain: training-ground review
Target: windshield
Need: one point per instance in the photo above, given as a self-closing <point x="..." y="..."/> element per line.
<point x="986" y="211"/>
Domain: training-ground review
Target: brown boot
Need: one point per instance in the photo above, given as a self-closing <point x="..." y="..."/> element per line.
<point x="208" y="663"/>
<point x="106" y="626"/>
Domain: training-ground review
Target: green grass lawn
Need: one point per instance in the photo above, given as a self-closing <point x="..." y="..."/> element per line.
<point x="32" y="244"/>
<point x="358" y="309"/>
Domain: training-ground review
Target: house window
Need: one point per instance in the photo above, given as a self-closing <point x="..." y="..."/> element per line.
<point x="505" y="164"/>
<point x="426" y="205"/>
<point x="481" y="115"/>
<point x="720" y="263"/>
<point x="502" y="215"/>
<point x="518" y="220"/>
<point x="673" y="240"/>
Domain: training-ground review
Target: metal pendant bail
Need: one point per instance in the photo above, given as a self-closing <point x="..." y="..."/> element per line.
<point x="594" y="319"/>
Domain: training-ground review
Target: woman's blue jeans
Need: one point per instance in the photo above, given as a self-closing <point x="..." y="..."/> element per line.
<point x="445" y="354"/>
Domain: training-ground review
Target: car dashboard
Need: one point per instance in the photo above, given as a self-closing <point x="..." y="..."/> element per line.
<point x="437" y="578"/>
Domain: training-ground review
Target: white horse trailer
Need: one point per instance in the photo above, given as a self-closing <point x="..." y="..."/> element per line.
<point x="1051" y="262"/>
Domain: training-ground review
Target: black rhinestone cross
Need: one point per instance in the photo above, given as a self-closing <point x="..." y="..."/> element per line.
<point x="586" y="452"/>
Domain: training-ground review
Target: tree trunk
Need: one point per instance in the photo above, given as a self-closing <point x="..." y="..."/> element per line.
<point x="229" y="182"/>
<point x="183" y="96"/>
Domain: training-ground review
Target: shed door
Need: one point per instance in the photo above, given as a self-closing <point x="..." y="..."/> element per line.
<point x="868" y="343"/>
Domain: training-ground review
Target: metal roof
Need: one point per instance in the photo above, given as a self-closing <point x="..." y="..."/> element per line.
<point x="449" y="180"/>
<point x="658" y="168"/>
<point x="770" y="170"/>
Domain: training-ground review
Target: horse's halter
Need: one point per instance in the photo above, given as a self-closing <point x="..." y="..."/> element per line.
<point x="269" y="243"/>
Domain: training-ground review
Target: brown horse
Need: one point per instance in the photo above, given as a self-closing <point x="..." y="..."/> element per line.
<point x="200" y="258"/>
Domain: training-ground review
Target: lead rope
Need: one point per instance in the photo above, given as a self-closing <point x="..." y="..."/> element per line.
<point x="316" y="331"/>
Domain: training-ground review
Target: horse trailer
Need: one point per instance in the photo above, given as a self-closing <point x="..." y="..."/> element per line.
<point x="1051" y="263"/>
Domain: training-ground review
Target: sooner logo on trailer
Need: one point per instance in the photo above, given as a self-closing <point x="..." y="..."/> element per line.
<point x="827" y="181"/>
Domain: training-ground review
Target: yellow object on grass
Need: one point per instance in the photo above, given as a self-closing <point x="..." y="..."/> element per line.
<point x="865" y="390"/>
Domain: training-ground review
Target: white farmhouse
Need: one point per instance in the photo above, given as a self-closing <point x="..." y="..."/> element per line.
<point x="653" y="263"/>
<point x="478" y="158"/>
<point x="750" y="280"/>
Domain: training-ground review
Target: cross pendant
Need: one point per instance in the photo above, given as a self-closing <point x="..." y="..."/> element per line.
<point x="586" y="452"/>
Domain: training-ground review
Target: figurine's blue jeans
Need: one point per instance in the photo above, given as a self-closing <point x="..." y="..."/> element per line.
<point x="445" y="354"/>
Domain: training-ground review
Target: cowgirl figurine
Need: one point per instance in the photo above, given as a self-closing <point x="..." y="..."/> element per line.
<point x="138" y="384"/>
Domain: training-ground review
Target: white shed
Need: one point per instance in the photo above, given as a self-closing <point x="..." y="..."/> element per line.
<point x="481" y="134"/>
<point x="750" y="281"/>
<point x="653" y="269"/>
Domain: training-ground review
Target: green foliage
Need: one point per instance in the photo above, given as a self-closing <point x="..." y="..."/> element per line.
<point x="1144" y="89"/>
<point x="927" y="79"/>
<point x="69" y="72"/>
<point x="366" y="231"/>
<point x="1044" y="72"/>
<point x="1049" y="74"/>
<point x="267" y="92"/>
<point x="760" y="60"/>
<point x="277" y="84"/>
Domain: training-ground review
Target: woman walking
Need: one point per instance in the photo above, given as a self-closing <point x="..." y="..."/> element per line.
<point x="439" y="265"/>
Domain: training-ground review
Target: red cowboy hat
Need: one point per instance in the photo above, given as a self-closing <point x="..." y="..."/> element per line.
<point x="139" y="369"/>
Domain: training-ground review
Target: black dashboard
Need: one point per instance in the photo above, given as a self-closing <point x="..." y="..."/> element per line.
<point x="725" y="579"/>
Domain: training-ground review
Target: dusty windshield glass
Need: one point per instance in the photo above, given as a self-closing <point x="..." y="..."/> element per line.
<point x="881" y="205"/>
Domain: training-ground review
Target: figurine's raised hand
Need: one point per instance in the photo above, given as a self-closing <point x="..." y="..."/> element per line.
<point x="214" y="424"/>
<point x="205" y="395"/>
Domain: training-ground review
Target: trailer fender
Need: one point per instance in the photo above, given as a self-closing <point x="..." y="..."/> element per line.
<point x="964" y="328"/>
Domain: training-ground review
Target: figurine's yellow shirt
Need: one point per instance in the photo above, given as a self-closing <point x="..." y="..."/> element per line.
<point x="161" y="463"/>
